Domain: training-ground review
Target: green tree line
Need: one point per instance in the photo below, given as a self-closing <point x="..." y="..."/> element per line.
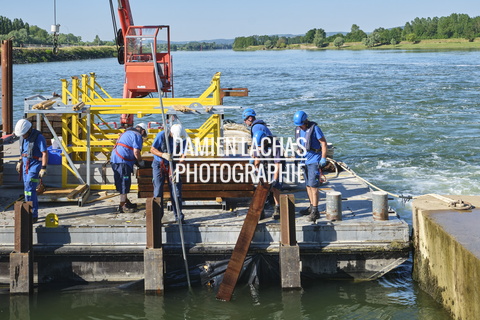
<point x="22" y="35"/>
<point x="199" y="46"/>
<point x="453" y="26"/>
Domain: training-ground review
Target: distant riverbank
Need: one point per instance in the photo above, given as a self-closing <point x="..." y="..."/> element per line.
<point x="35" y="55"/>
<point x="430" y="44"/>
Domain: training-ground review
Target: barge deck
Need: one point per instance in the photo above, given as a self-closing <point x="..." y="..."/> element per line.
<point x="94" y="243"/>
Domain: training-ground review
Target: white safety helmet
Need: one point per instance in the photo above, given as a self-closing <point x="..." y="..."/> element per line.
<point x="178" y="132"/>
<point x="144" y="127"/>
<point x="22" y="127"/>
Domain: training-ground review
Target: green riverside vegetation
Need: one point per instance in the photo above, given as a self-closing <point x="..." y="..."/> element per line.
<point x="444" y="29"/>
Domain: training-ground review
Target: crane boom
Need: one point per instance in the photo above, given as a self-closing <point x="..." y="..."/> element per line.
<point x="125" y="14"/>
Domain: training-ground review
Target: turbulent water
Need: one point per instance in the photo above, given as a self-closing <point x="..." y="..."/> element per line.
<point x="405" y="121"/>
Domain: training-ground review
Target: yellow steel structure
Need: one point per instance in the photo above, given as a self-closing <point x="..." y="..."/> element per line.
<point x="82" y="133"/>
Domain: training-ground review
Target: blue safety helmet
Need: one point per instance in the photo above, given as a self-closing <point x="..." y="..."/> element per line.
<point x="258" y="137"/>
<point x="299" y="118"/>
<point x="247" y="113"/>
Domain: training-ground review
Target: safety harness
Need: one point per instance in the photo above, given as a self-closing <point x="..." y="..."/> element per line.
<point x="124" y="145"/>
<point x="255" y="122"/>
<point x="32" y="137"/>
<point x="308" y="136"/>
<point x="163" y="148"/>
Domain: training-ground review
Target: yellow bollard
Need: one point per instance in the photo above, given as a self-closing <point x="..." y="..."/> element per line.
<point x="51" y="220"/>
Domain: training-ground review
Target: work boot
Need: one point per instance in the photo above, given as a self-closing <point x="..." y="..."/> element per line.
<point x="314" y="215"/>
<point x="130" y="205"/>
<point x="182" y="217"/>
<point x="276" y="212"/>
<point x="306" y="211"/>
<point x="125" y="209"/>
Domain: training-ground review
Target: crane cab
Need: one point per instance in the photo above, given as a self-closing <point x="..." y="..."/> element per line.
<point x="140" y="61"/>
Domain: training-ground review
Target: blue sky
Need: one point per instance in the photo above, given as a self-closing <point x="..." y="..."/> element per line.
<point x="213" y="19"/>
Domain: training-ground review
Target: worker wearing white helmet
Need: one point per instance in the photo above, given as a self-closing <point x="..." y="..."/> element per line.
<point x="126" y="153"/>
<point x="162" y="164"/>
<point x="33" y="161"/>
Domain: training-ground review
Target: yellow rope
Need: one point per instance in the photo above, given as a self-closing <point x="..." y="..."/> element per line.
<point x="183" y="109"/>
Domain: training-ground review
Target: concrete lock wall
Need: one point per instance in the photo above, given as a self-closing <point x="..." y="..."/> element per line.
<point x="447" y="254"/>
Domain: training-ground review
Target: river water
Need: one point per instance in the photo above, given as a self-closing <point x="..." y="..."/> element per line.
<point x="406" y="121"/>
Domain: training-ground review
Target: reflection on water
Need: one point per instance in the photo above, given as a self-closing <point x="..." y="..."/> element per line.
<point x="394" y="296"/>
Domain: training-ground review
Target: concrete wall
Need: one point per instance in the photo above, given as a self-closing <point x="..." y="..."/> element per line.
<point x="447" y="254"/>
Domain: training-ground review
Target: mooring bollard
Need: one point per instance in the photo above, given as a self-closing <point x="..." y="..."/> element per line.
<point x="380" y="205"/>
<point x="334" y="206"/>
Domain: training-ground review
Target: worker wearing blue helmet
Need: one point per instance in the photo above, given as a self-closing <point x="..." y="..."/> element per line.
<point x="258" y="131"/>
<point x="249" y="118"/>
<point x="313" y="148"/>
<point x="267" y="150"/>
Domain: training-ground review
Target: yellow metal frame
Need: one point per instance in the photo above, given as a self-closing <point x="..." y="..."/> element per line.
<point x="101" y="141"/>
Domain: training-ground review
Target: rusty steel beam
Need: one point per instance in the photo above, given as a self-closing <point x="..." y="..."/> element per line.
<point x="23" y="233"/>
<point x="7" y="86"/>
<point x="287" y="220"/>
<point x="153" y="216"/>
<point x="245" y="237"/>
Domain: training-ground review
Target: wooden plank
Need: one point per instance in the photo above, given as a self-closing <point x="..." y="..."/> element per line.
<point x="205" y="186"/>
<point x="211" y="183"/>
<point x="212" y="172"/>
<point x="76" y="191"/>
<point x="203" y="179"/>
<point x="57" y="192"/>
<point x="245" y="237"/>
<point x="202" y="195"/>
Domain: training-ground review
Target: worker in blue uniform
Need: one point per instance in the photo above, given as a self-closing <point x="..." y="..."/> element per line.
<point x="258" y="130"/>
<point x="313" y="148"/>
<point x="249" y="118"/>
<point x="33" y="161"/>
<point x="267" y="150"/>
<point x="162" y="168"/>
<point x="126" y="153"/>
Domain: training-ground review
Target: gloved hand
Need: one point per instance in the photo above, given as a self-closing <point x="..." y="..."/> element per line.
<point x="167" y="156"/>
<point x="19" y="166"/>
<point x="322" y="162"/>
<point x="273" y="182"/>
<point x="42" y="173"/>
<point x="141" y="164"/>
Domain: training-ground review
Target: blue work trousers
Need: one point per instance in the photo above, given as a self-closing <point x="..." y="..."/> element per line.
<point x="31" y="180"/>
<point x="122" y="174"/>
<point x="160" y="173"/>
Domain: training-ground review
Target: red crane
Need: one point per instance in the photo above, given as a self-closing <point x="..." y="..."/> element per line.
<point x="136" y="44"/>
